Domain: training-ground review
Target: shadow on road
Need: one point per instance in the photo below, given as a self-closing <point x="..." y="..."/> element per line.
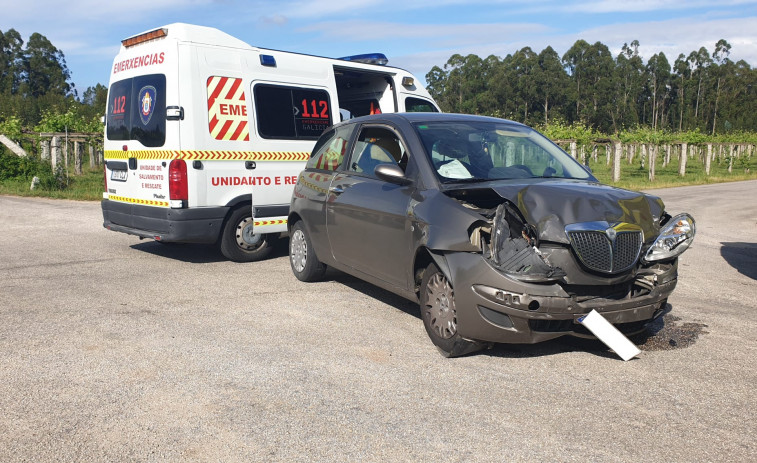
<point x="197" y="253"/>
<point x="742" y="257"/>
<point x="387" y="297"/>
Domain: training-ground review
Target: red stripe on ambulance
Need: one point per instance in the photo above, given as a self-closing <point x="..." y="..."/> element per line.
<point x="227" y="109"/>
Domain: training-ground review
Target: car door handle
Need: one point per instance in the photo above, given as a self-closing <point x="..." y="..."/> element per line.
<point x="336" y="190"/>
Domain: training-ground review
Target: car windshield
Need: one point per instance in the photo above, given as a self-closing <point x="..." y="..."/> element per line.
<point x="470" y="151"/>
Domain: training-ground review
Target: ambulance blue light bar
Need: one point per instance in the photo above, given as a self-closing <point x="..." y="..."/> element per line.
<point x="368" y="58"/>
<point x="268" y="60"/>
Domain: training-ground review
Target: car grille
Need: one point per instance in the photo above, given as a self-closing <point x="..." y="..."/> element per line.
<point x="597" y="252"/>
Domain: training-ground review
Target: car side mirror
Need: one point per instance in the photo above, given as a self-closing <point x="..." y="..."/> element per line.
<point x="391" y="173"/>
<point x="587" y="168"/>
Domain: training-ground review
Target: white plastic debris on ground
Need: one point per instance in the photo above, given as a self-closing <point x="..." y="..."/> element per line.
<point x="608" y="334"/>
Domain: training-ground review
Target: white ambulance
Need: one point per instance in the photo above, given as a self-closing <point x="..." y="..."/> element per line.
<point x="205" y="135"/>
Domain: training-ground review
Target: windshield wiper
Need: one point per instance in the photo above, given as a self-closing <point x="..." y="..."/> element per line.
<point x="466" y="180"/>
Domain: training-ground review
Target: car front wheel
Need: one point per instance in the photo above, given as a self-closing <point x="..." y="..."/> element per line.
<point x="440" y="315"/>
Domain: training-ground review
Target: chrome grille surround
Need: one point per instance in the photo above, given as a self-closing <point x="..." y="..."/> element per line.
<point x="604" y="247"/>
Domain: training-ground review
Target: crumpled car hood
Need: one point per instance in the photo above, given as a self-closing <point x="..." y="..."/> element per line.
<point x="550" y="205"/>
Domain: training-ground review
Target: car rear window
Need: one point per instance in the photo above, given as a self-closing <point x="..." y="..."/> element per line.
<point x="137" y="110"/>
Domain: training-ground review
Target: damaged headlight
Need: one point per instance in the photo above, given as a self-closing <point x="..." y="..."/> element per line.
<point x="675" y="237"/>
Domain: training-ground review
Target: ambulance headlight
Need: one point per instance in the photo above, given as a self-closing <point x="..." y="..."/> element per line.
<point x="675" y="237"/>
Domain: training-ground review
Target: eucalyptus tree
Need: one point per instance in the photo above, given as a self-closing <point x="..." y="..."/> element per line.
<point x="521" y="74"/>
<point x="573" y="63"/>
<point x="658" y="77"/>
<point x="44" y="69"/>
<point x="700" y="62"/>
<point x="551" y="81"/>
<point x="682" y="70"/>
<point x="720" y="55"/>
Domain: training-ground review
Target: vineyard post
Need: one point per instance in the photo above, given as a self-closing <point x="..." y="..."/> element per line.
<point x="65" y="154"/>
<point x="573" y="149"/>
<point x="616" y="161"/>
<point x="684" y="157"/>
<point x="44" y="149"/>
<point x="55" y="152"/>
<point x="668" y="149"/>
<point x="666" y="158"/>
<point x="91" y="152"/>
<point x="77" y="157"/>
<point x="708" y="159"/>
<point x="642" y="155"/>
<point x="652" y="161"/>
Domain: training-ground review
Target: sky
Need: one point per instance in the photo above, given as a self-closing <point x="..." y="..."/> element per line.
<point x="415" y="34"/>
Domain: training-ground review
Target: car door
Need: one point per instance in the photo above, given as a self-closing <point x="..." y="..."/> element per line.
<point x="367" y="218"/>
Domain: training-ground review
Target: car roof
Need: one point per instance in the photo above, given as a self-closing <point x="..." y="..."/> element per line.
<point x="416" y="117"/>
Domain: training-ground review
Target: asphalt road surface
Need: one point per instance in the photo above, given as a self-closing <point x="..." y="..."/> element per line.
<point x="115" y="349"/>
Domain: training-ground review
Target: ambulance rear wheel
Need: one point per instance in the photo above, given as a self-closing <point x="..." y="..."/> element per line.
<point x="239" y="243"/>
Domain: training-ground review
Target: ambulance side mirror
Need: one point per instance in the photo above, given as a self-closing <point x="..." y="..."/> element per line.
<point x="174" y="113"/>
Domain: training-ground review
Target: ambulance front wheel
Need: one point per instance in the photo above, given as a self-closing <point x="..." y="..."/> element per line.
<point x="239" y="243"/>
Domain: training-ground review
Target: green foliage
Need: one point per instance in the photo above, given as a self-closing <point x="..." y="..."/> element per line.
<point x="700" y="94"/>
<point x="24" y="169"/>
<point x="11" y="128"/>
<point x="559" y="130"/>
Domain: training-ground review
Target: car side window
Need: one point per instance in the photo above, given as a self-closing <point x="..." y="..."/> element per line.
<point x="329" y="152"/>
<point x="375" y="146"/>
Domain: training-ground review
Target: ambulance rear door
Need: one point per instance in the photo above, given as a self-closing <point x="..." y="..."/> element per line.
<point x="142" y="127"/>
<point x="363" y="92"/>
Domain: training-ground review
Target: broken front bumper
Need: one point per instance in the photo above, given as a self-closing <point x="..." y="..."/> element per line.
<point x="494" y="307"/>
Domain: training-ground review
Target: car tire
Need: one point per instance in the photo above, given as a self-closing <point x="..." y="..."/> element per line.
<point x="302" y="258"/>
<point x="437" y="300"/>
<point x="237" y="241"/>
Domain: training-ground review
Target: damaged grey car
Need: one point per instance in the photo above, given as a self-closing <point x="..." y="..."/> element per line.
<point x="496" y="232"/>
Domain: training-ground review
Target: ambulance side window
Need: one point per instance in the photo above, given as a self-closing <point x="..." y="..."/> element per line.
<point x="290" y="112"/>
<point x="137" y="110"/>
<point x="417" y="105"/>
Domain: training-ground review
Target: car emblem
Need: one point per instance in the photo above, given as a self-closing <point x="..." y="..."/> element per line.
<point x="611" y="234"/>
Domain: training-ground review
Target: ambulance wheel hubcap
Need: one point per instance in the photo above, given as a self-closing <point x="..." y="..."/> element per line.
<point x="299" y="250"/>
<point x="246" y="239"/>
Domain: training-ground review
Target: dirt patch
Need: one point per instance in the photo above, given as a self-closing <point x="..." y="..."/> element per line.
<point x="667" y="334"/>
